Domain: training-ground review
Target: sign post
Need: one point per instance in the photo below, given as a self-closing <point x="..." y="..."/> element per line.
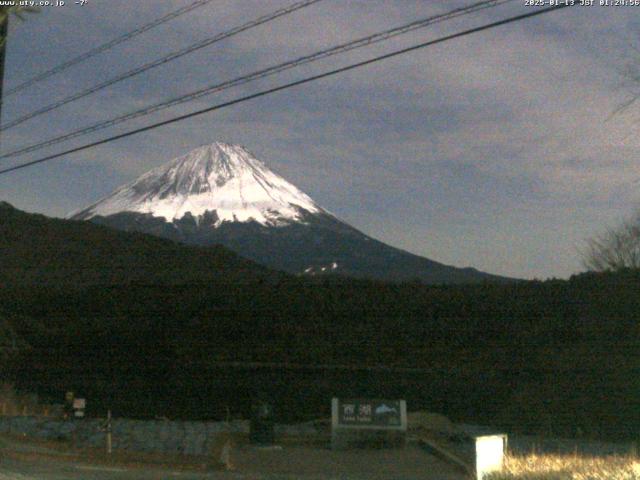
<point x="68" y="404"/>
<point x="367" y="422"/>
<point x="79" y="405"/>
<point x="108" y="428"/>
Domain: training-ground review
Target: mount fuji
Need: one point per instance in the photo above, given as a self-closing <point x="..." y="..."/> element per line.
<point x="222" y="194"/>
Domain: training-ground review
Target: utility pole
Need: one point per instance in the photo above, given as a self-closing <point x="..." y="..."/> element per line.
<point x="109" y="429"/>
<point x="4" y="31"/>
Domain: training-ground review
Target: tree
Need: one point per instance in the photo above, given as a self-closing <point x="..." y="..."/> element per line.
<point x="5" y="12"/>
<point x="616" y="249"/>
<point x="630" y="81"/>
<point x="4" y="19"/>
<point x="9" y="342"/>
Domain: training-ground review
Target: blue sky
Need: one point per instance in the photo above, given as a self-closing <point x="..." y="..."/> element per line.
<point x="496" y="151"/>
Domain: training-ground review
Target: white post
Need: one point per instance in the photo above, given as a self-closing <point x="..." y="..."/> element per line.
<point x="109" y="432"/>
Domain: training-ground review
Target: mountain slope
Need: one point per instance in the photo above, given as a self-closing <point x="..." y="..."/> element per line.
<point x="222" y="180"/>
<point x="221" y="194"/>
<point x="36" y="250"/>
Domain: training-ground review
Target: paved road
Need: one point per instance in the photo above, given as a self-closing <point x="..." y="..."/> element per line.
<point x="15" y="469"/>
<point x="25" y="461"/>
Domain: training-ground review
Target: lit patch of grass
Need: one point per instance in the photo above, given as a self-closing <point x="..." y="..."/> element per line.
<point x="568" y="467"/>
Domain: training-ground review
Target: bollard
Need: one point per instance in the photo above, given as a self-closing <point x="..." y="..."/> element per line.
<point x="109" y="432"/>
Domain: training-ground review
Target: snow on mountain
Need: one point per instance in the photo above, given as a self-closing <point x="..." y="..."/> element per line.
<point x="222" y="178"/>
<point x="220" y="194"/>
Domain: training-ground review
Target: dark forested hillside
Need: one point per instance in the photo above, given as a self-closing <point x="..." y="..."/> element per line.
<point x="37" y="250"/>
<point x="148" y="327"/>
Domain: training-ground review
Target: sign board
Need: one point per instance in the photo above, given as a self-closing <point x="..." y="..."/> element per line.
<point x="356" y="422"/>
<point x="489" y="454"/>
<point x="79" y="404"/>
<point x="382" y="414"/>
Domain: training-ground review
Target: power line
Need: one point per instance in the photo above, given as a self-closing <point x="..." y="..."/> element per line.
<point x="161" y="61"/>
<point x="290" y="85"/>
<point x="106" y="46"/>
<point x="342" y="48"/>
<point x="319" y="366"/>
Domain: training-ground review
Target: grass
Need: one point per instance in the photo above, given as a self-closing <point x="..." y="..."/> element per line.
<point x="568" y="467"/>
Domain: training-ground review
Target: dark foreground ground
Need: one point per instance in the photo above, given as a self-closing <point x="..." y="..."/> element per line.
<point x="24" y="460"/>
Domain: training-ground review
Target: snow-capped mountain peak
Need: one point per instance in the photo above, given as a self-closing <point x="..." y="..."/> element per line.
<point x="220" y="194"/>
<point x="219" y="178"/>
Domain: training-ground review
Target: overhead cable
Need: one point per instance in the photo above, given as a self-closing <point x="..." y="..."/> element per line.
<point x="342" y="48"/>
<point x="160" y="61"/>
<point x="289" y="85"/>
<point x="106" y="46"/>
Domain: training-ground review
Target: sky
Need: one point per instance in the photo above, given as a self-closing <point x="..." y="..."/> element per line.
<point x="501" y="150"/>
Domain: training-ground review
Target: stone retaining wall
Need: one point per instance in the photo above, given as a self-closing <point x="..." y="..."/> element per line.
<point x="188" y="438"/>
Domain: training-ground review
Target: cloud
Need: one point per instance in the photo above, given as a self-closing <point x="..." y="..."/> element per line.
<point x="492" y="150"/>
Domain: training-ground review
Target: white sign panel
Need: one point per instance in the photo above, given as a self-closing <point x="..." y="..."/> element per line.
<point x="489" y="454"/>
<point x="373" y="414"/>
